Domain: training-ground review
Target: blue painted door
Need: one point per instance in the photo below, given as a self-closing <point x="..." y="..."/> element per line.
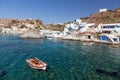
<point x="104" y="38"/>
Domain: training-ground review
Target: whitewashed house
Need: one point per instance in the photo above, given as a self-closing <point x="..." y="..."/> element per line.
<point x="79" y="21"/>
<point x="70" y="27"/>
<point x="77" y="30"/>
<point x="103" y="10"/>
<point x="78" y="25"/>
<point x="50" y="33"/>
<point x="109" y="32"/>
<point x="84" y="26"/>
<point x="109" y="28"/>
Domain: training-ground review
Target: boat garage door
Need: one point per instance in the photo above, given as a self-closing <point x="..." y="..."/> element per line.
<point x="104" y="38"/>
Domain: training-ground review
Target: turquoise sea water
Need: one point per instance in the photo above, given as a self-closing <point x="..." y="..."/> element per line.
<point x="67" y="60"/>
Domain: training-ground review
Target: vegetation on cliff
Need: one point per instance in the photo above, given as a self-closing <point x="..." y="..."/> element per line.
<point x="56" y="27"/>
<point x="110" y="16"/>
<point x="38" y="24"/>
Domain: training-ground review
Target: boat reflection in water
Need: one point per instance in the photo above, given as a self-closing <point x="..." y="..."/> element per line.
<point x="35" y="63"/>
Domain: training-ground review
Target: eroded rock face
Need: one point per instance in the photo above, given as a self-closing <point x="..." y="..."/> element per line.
<point x="18" y="26"/>
<point x="31" y="34"/>
<point x="2" y="73"/>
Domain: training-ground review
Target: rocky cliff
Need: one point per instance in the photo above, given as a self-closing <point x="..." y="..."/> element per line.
<point x="9" y="22"/>
<point x="19" y="26"/>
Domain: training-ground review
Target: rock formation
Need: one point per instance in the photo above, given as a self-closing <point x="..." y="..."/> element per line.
<point x="11" y="26"/>
<point x="31" y="34"/>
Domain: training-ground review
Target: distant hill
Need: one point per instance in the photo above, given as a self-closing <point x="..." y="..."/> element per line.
<point x="38" y="24"/>
<point x="9" y="22"/>
<point x="110" y="16"/>
<point x="56" y="27"/>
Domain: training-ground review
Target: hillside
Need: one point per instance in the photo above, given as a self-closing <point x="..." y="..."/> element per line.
<point x="56" y="27"/>
<point x="20" y="22"/>
<point x="111" y="16"/>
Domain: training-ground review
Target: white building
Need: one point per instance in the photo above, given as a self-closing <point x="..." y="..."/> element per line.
<point x="79" y="21"/>
<point x="103" y="10"/>
<point x="78" y="25"/>
<point x="70" y="27"/>
<point x="110" y="32"/>
<point x="85" y="26"/>
<point x="109" y="28"/>
<point x="50" y="33"/>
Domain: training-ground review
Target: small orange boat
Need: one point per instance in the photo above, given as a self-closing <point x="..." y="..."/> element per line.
<point x="35" y="63"/>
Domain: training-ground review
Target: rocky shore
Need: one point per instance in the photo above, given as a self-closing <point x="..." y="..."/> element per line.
<point x="35" y="34"/>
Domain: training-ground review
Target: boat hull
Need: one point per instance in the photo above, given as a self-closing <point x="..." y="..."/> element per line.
<point x="41" y="67"/>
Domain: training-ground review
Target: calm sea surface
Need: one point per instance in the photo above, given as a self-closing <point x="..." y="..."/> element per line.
<point x="67" y="60"/>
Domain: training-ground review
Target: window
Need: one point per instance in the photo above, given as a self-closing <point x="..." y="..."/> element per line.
<point x="118" y="26"/>
<point x="88" y="37"/>
<point x="115" y="39"/>
<point x="112" y="26"/>
<point x="108" y="26"/>
<point x="106" y="31"/>
<point x="58" y="33"/>
<point x="104" y="26"/>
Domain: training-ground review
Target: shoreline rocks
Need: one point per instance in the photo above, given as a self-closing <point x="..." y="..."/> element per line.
<point x="34" y="34"/>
